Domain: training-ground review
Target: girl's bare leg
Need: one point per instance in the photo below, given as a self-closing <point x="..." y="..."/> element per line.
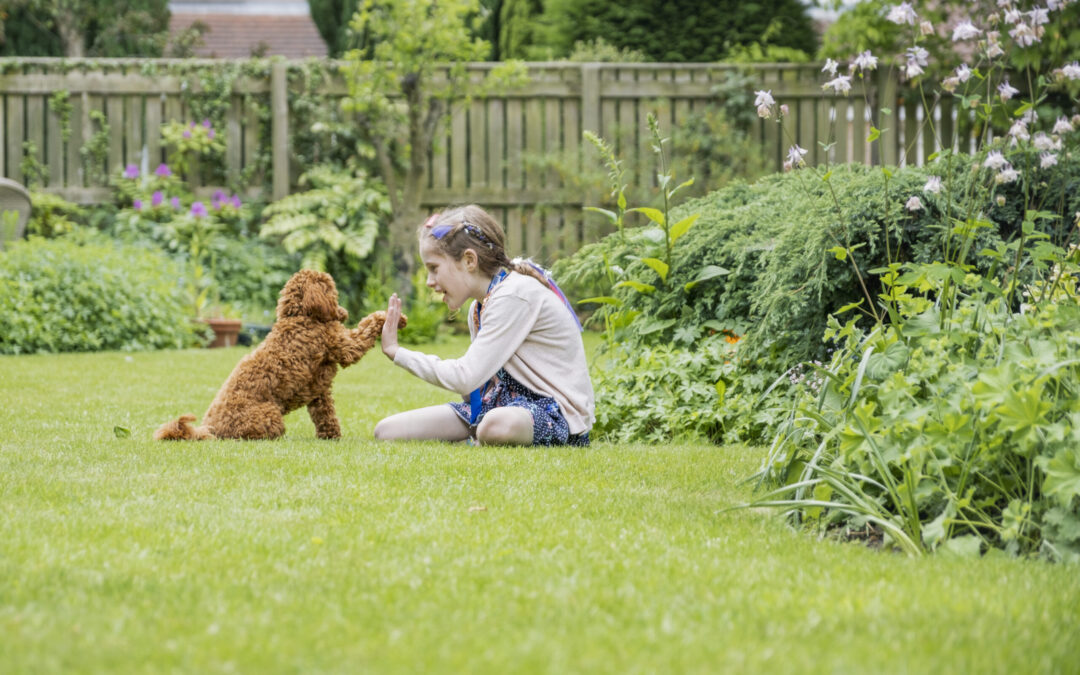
<point x="437" y="422"/>
<point x="506" y="426"/>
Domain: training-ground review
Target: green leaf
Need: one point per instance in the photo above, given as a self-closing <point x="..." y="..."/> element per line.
<point x="721" y="388"/>
<point x="680" y="228"/>
<point x="840" y="252"/>
<point x="655" y="215"/>
<point x="600" y="299"/>
<point x="706" y="273"/>
<point x="848" y="307"/>
<point x="966" y="546"/>
<point x="637" y="286"/>
<point x="885" y="363"/>
<point x="1062" y="473"/>
<point x="658" y="265"/>
<point x="121" y="432"/>
<point x="610" y="215"/>
<point x="654" y="325"/>
<point x="875" y="134"/>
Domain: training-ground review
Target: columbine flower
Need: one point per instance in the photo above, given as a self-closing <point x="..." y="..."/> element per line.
<point x="994" y="160"/>
<point x="1071" y="71"/>
<point x="1047" y="160"/>
<point x="1007" y="91"/>
<point x="795" y="155"/>
<point x="965" y="30"/>
<point x="933" y="186"/>
<point x="916" y="59"/>
<point x="175" y="202"/>
<point x="1039" y="16"/>
<point x="156" y="199"/>
<point x="830" y="67"/>
<point x="784" y="109"/>
<point x="131" y="171"/>
<point x="1019" y="131"/>
<point x="1062" y="126"/>
<point x="198" y="209"/>
<point x="993" y="47"/>
<point x="764" y="103"/>
<point x="950" y="84"/>
<point x="902" y="13"/>
<point x="914" y="204"/>
<point x="926" y="28"/>
<point x="1043" y="141"/>
<point x="865" y="61"/>
<point x="963" y="73"/>
<point x="842" y="84"/>
<point x="163" y="170"/>
<point x="1007" y="175"/>
<point x="137" y="205"/>
<point x="1013" y="15"/>
<point x="1024" y="35"/>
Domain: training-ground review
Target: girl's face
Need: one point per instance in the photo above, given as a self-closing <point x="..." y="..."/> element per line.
<point x="457" y="280"/>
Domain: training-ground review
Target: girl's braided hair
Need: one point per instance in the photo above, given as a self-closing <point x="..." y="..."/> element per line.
<point x="464" y="227"/>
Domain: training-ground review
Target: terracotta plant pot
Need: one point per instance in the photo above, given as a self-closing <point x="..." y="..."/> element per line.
<point x="225" y="331"/>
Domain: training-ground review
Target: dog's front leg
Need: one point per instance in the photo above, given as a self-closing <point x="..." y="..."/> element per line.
<point x="362" y="338"/>
<point x="324" y="417"/>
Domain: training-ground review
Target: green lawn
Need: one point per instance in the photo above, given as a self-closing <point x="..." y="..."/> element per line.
<point x="298" y="555"/>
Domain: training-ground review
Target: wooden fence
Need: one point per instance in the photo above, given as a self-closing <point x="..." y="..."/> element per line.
<point x="484" y="154"/>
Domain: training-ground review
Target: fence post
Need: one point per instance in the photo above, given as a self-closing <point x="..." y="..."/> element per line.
<point x="279" y="134"/>
<point x="890" y="135"/>
<point x="590" y="121"/>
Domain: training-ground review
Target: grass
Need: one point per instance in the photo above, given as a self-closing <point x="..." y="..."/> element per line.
<point x="298" y="555"/>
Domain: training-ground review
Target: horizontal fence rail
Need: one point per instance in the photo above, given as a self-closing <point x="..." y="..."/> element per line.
<point x="490" y="150"/>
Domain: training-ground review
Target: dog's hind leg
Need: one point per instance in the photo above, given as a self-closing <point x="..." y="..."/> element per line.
<point x="259" y="421"/>
<point x="324" y="417"/>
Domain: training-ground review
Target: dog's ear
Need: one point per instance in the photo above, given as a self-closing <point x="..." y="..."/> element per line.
<point x="320" y="299"/>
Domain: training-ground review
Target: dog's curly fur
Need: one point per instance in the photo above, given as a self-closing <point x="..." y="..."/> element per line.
<point x="295" y="366"/>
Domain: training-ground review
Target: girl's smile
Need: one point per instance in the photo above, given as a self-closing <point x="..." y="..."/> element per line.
<point x="457" y="280"/>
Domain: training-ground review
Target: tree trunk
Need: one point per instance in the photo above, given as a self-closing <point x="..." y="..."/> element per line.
<point x="71" y="34"/>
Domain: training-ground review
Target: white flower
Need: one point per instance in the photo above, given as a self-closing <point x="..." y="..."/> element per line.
<point x="933" y="186"/>
<point x="950" y="84"/>
<point x="1004" y="3"/>
<point x="1007" y="91"/>
<point x="865" y="61"/>
<point x="1007" y="175"/>
<point x="963" y="73"/>
<point x="1071" y="71"/>
<point x="1039" y="16"/>
<point x="916" y="59"/>
<point x="1052" y="5"/>
<point x="763" y="98"/>
<point x="1062" y="126"/>
<point x="842" y="84"/>
<point x="795" y="155"/>
<point x="830" y="67"/>
<point x="902" y="13"/>
<point x="764" y="112"/>
<point x="994" y="160"/>
<point x="1013" y="15"/>
<point x="912" y="70"/>
<point x="965" y="30"/>
<point x="1047" y="160"/>
<point x="783" y="109"/>
<point x="914" y="204"/>
<point x="1019" y="131"/>
<point x="1042" y="141"/>
<point x="1024" y="35"/>
<point x="926" y="28"/>
<point x="993" y="47"/>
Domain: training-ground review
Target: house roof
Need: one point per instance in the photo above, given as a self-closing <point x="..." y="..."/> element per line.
<point x="239" y="29"/>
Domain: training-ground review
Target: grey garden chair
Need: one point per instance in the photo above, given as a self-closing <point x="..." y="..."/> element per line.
<point x="13" y="197"/>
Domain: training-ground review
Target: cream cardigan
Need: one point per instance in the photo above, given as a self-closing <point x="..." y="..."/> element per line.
<point x="527" y="330"/>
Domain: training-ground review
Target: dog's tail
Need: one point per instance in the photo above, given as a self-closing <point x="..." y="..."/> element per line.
<point x="181" y="430"/>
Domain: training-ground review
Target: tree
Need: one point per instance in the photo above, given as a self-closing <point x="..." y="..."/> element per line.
<point x="419" y="50"/>
<point x="673" y="30"/>
<point x="332" y="18"/>
<point x="77" y="28"/>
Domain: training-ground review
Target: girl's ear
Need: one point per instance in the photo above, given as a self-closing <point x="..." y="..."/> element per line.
<point x="470" y="258"/>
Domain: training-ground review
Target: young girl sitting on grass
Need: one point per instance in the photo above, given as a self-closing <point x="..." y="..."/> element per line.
<point x="525" y="376"/>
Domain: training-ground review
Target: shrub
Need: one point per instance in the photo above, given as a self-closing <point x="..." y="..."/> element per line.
<point x="85" y="293"/>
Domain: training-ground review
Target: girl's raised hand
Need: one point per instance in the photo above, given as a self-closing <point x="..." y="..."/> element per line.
<point x="390" y="327"/>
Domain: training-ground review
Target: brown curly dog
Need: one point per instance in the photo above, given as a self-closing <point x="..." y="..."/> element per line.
<point x="295" y="366"/>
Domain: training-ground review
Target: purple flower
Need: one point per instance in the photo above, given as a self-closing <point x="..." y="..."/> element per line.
<point x="191" y="126"/>
<point x="156" y="199"/>
<point x="206" y="122"/>
<point x="175" y="202"/>
<point x="198" y="209"/>
<point x="235" y="201"/>
<point x="137" y="205"/>
<point x="219" y="195"/>
<point x="210" y="134"/>
<point x="187" y="133"/>
<point x="163" y="170"/>
<point x="131" y="171"/>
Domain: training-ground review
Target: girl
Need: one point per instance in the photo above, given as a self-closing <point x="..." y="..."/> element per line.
<point x="524" y="377"/>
